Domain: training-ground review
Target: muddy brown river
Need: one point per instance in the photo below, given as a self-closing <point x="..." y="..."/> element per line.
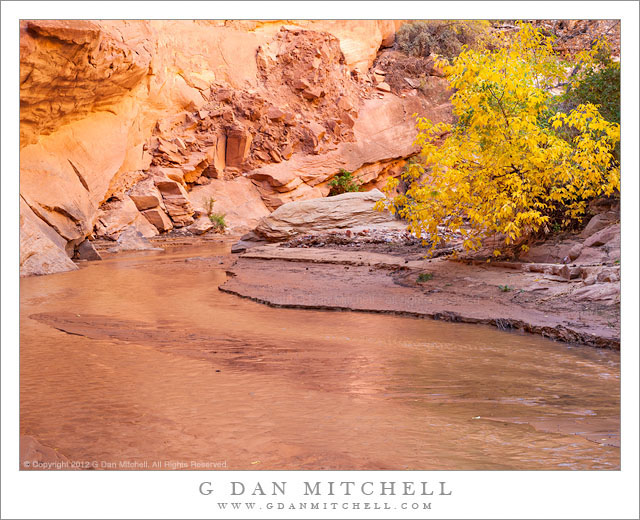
<point x="139" y="359"/>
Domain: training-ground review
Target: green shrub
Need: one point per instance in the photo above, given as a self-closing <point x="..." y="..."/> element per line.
<point x="505" y="288"/>
<point x="218" y="220"/>
<point x="600" y="87"/>
<point x="425" y="277"/>
<point x="343" y="183"/>
<point x="442" y="37"/>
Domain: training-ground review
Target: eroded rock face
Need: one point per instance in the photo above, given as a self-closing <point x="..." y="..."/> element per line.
<point x="341" y="211"/>
<point x="71" y="68"/>
<point x="260" y="113"/>
<point x="383" y="132"/>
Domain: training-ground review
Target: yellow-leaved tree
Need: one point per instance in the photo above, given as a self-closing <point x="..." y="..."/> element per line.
<point x="505" y="167"/>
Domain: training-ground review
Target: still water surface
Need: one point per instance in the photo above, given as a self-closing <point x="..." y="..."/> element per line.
<point x="141" y="358"/>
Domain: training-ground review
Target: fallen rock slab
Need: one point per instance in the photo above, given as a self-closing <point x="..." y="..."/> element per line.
<point x="306" y="216"/>
<point x="200" y="226"/>
<point x="176" y="201"/>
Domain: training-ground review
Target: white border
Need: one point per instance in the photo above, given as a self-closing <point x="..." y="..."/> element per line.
<point x="174" y="495"/>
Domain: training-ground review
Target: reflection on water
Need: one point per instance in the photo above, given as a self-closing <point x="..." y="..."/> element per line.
<point x="141" y="358"/>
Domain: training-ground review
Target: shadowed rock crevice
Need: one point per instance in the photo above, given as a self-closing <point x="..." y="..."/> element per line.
<point x="80" y="177"/>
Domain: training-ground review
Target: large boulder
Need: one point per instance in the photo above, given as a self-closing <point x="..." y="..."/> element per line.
<point x="604" y="236"/>
<point x="601" y="247"/>
<point x="308" y="216"/>
<point x="42" y="250"/>
<point x="200" y="226"/>
<point x="143" y="226"/>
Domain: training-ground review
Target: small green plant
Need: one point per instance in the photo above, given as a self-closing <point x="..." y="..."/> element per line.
<point x="617" y="262"/>
<point x="209" y="205"/>
<point x="218" y="220"/>
<point x="343" y="183"/>
<point x="505" y="288"/>
<point x="425" y="277"/>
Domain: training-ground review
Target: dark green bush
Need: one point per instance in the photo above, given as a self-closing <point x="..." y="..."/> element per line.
<point x="600" y="87"/>
<point x="424" y="277"/>
<point x="343" y="183"/>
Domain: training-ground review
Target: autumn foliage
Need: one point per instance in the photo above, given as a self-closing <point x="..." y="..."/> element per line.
<point x="507" y="166"/>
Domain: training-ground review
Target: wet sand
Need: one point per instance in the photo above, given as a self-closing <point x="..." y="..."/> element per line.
<point x="140" y="359"/>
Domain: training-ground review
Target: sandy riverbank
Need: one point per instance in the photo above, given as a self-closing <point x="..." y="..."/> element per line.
<point x="507" y="295"/>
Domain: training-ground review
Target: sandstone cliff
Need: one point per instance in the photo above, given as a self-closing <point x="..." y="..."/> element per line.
<point x="141" y="123"/>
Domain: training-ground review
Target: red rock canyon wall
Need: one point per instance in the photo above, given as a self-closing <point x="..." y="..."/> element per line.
<point x="139" y="123"/>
